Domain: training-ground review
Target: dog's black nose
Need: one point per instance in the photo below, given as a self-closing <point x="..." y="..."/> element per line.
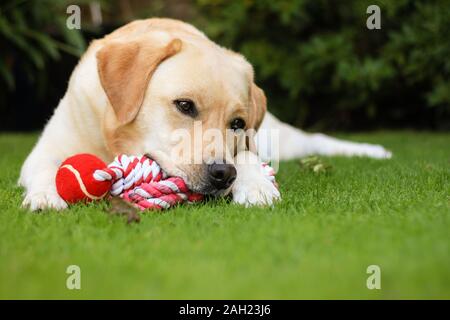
<point x="221" y="175"/>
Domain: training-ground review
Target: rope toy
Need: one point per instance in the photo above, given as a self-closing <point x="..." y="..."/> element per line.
<point x="138" y="180"/>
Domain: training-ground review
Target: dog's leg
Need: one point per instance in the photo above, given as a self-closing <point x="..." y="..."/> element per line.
<point x="38" y="178"/>
<point x="251" y="186"/>
<point x="295" y="143"/>
<point x="39" y="169"/>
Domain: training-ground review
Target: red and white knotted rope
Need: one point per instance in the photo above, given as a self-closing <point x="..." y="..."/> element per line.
<point x="269" y="173"/>
<point x="141" y="181"/>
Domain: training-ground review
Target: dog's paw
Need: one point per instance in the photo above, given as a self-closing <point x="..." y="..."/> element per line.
<point x="257" y="192"/>
<point x="43" y="200"/>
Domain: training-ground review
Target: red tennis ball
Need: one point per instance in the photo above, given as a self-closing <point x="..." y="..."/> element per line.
<point x="75" y="179"/>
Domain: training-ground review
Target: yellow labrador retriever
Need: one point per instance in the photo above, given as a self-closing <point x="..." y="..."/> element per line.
<point x="138" y="85"/>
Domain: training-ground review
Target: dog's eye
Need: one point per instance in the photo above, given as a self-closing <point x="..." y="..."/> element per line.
<point x="237" y="123"/>
<point x="187" y="107"/>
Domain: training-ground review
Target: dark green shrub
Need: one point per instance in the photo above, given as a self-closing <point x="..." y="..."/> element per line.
<point x="37" y="54"/>
<point x="322" y="68"/>
<point x="28" y="31"/>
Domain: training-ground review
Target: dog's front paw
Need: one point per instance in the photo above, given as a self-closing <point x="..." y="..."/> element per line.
<point x="257" y="192"/>
<point x="43" y="200"/>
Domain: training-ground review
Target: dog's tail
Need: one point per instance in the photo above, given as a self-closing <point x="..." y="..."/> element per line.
<point x="276" y="139"/>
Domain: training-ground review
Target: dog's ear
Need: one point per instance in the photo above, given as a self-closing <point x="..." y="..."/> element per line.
<point x="125" y="69"/>
<point x="258" y="106"/>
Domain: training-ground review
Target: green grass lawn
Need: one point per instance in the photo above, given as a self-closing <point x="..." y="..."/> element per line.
<point x="316" y="243"/>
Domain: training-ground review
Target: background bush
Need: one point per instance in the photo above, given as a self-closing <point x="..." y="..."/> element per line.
<point x="323" y="69"/>
<point x="33" y="34"/>
<point x="319" y="65"/>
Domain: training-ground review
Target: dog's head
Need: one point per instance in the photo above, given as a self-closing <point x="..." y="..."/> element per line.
<point x="180" y="102"/>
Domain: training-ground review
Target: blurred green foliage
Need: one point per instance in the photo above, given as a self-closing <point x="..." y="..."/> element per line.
<point x="322" y="68"/>
<point x="33" y="33"/>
